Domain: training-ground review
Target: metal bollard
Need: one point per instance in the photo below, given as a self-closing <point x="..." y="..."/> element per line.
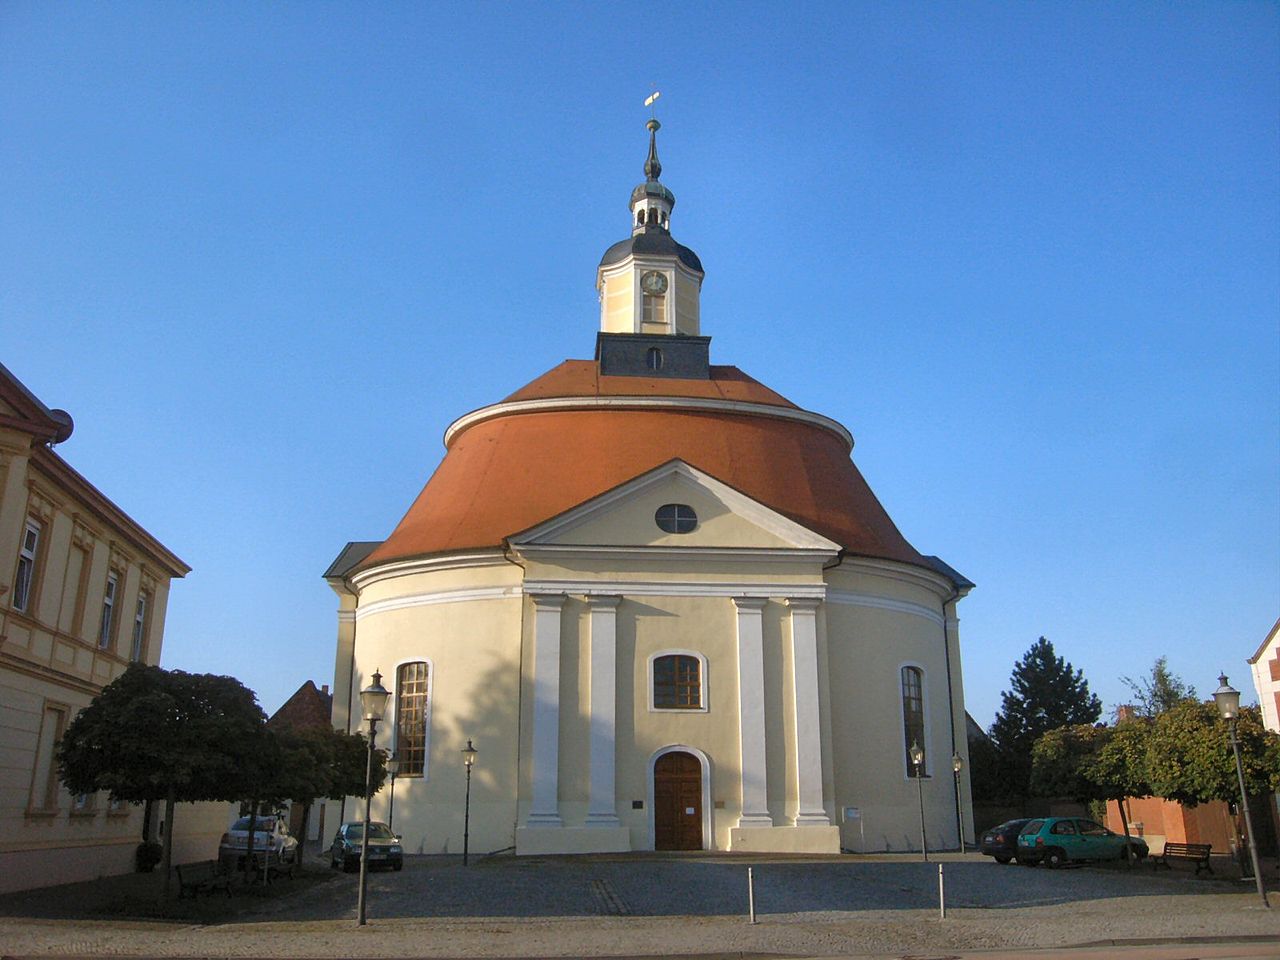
<point x="942" y="896"/>
<point x="751" y="894"/>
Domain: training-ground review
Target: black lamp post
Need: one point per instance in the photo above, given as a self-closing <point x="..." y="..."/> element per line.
<point x="373" y="701"/>
<point x="468" y="757"/>
<point x="917" y="761"/>
<point x="957" y="764"/>
<point x="393" y="767"/>
<point x="1228" y="700"/>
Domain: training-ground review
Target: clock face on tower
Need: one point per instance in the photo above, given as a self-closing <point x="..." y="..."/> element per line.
<point x="654" y="283"/>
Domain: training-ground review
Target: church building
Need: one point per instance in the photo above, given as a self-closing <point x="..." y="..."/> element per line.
<point x="663" y="604"/>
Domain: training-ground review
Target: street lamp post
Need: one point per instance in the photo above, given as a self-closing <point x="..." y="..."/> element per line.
<point x="917" y="761"/>
<point x="957" y="764"/>
<point x="393" y="767"/>
<point x="468" y="758"/>
<point x="373" y="702"/>
<point x="1228" y="700"/>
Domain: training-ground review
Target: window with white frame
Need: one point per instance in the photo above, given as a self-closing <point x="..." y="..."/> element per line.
<point x="677" y="682"/>
<point x="44" y="775"/>
<point x="139" y="627"/>
<point x="26" y="573"/>
<point x="411" y="718"/>
<point x="913" y="718"/>
<point x="82" y="803"/>
<point x="654" y="309"/>
<point x="107" y="624"/>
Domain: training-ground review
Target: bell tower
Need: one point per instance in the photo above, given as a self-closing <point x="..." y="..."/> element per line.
<point x="649" y="283"/>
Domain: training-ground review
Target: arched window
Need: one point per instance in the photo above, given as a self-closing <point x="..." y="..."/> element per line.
<point x="411" y="718"/>
<point x="913" y="718"/>
<point x="653" y="359"/>
<point x="677" y="682"/>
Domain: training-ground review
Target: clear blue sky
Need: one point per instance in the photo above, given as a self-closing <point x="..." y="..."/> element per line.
<point x="1028" y="253"/>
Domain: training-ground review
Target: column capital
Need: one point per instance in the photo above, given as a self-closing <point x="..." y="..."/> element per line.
<point x="803" y="604"/>
<point x="604" y="601"/>
<point x="751" y="603"/>
<point x="548" y="601"/>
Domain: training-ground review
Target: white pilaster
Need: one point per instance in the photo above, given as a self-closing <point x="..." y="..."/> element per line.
<point x="755" y="805"/>
<point x="811" y="808"/>
<point x="602" y="808"/>
<point x="545" y="763"/>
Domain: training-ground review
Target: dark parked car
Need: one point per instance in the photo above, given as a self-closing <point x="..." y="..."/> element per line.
<point x="384" y="847"/>
<point x="1001" y="841"/>
<point x="1057" y="840"/>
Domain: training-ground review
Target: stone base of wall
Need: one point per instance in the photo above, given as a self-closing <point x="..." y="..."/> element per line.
<point x="785" y="839"/>
<point x="533" y="841"/>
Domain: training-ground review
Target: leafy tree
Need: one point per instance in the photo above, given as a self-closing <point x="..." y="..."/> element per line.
<point x="1161" y="690"/>
<point x="1189" y="757"/>
<point x="317" y="762"/>
<point x="155" y="734"/>
<point x="1046" y="693"/>
<point x="1062" y="762"/>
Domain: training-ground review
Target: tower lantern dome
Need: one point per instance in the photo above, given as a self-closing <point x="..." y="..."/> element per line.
<point x="649" y="283"/>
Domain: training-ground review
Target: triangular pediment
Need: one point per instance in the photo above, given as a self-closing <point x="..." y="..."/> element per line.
<point x="625" y="516"/>
<point x="21" y="408"/>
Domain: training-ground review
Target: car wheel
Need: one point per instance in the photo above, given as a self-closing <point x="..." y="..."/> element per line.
<point x="1130" y="854"/>
<point x="1003" y="860"/>
<point x="349" y="865"/>
<point x="1055" y="859"/>
<point x="397" y="866"/>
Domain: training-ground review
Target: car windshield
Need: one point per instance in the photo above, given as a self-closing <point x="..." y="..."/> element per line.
<point x="377" y="831"/>
<point x="1032" y="827"/>
<point x="264" y="824"/>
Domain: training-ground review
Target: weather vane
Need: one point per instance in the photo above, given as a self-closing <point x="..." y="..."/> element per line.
<point x="650" y="101"/>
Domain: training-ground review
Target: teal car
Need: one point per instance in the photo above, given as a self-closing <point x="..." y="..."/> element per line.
<point x="1057" y="840"/>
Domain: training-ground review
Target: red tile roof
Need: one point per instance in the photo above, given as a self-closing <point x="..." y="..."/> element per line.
<point x="510" y="472"/>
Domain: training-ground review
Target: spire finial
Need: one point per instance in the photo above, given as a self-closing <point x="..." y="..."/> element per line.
<point x="652" y="168"/>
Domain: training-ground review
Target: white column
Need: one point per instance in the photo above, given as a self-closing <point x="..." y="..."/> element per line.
<point x="545" y="763"/>
<point x="602" y="809"/>
<point x="811" y="810"/>
<point x="755" y="804"/>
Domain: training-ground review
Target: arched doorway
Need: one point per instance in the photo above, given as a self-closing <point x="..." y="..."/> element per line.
<point x="677" y="802"/>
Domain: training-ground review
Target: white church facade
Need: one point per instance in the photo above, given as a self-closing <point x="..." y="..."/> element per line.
<point x="665" y="606"/>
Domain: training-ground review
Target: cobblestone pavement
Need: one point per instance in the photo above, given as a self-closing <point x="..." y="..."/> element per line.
<point x="631" y="906"/>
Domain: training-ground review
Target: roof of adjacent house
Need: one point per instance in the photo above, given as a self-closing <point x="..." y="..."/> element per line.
<point x="308" y="708"/>
<point x="573" y="434"/>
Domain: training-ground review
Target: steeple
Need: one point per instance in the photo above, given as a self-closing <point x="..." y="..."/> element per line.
<point x="651" y="202"/>
<point x="649" y="283"/>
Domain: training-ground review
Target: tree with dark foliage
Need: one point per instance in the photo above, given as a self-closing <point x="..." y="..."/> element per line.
<point x="1046" y="693"/>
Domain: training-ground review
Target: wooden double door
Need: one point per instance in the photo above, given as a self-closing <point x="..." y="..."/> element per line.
<point x="677" y="802"/>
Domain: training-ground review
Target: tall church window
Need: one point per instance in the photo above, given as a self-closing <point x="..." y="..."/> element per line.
<point x="411" y="718"/>
<point x="913" y="717"/>
<point x="26" y="566"/>
<point x="677" y="682"/>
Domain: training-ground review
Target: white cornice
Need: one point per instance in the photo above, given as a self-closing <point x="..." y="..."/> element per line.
<point x="432" y="564"/>
<point x="902" y="572"/>
<point x="558" y="552"/>
<point x="850" y="598"/>
<point x="697" y="404"/>
<point x="677" y="588"/>
<point x="439" y="596"/>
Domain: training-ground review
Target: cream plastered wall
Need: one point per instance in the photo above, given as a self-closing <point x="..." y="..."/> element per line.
<point x="472" y="648"/>
<point x="688" y="291"/>
<point x="617" y="296"/>
<point x="867" y="648"/>
<point x="620" y="296"/>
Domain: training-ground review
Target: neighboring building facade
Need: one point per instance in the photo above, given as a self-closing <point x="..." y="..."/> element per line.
<point x="1265" y="667"/>
<point x="83" y="592"/>
<point x="663" y="603"/>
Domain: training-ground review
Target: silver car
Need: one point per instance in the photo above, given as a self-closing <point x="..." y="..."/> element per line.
<point x="270" y="838"/>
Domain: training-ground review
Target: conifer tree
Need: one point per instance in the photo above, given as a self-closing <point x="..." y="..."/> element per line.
<point x="1045" y="692"/>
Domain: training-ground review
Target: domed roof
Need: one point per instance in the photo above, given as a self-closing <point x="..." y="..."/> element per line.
<point x="652" y="188"/>
<point x="651" y="241"/>
<point x="574" y="434"/>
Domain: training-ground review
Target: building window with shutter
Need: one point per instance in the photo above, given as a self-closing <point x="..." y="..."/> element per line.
<point x="25" y="576"/>
<point x="411" y="718"/>
<point x="139" y="627"/>
<point x="107" y="624"/>
<point x="913" y="717"/>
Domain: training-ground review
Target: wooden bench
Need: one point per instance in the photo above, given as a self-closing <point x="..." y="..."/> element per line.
<point x="1197" y="852"/>
<point x="205" y="875"/>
